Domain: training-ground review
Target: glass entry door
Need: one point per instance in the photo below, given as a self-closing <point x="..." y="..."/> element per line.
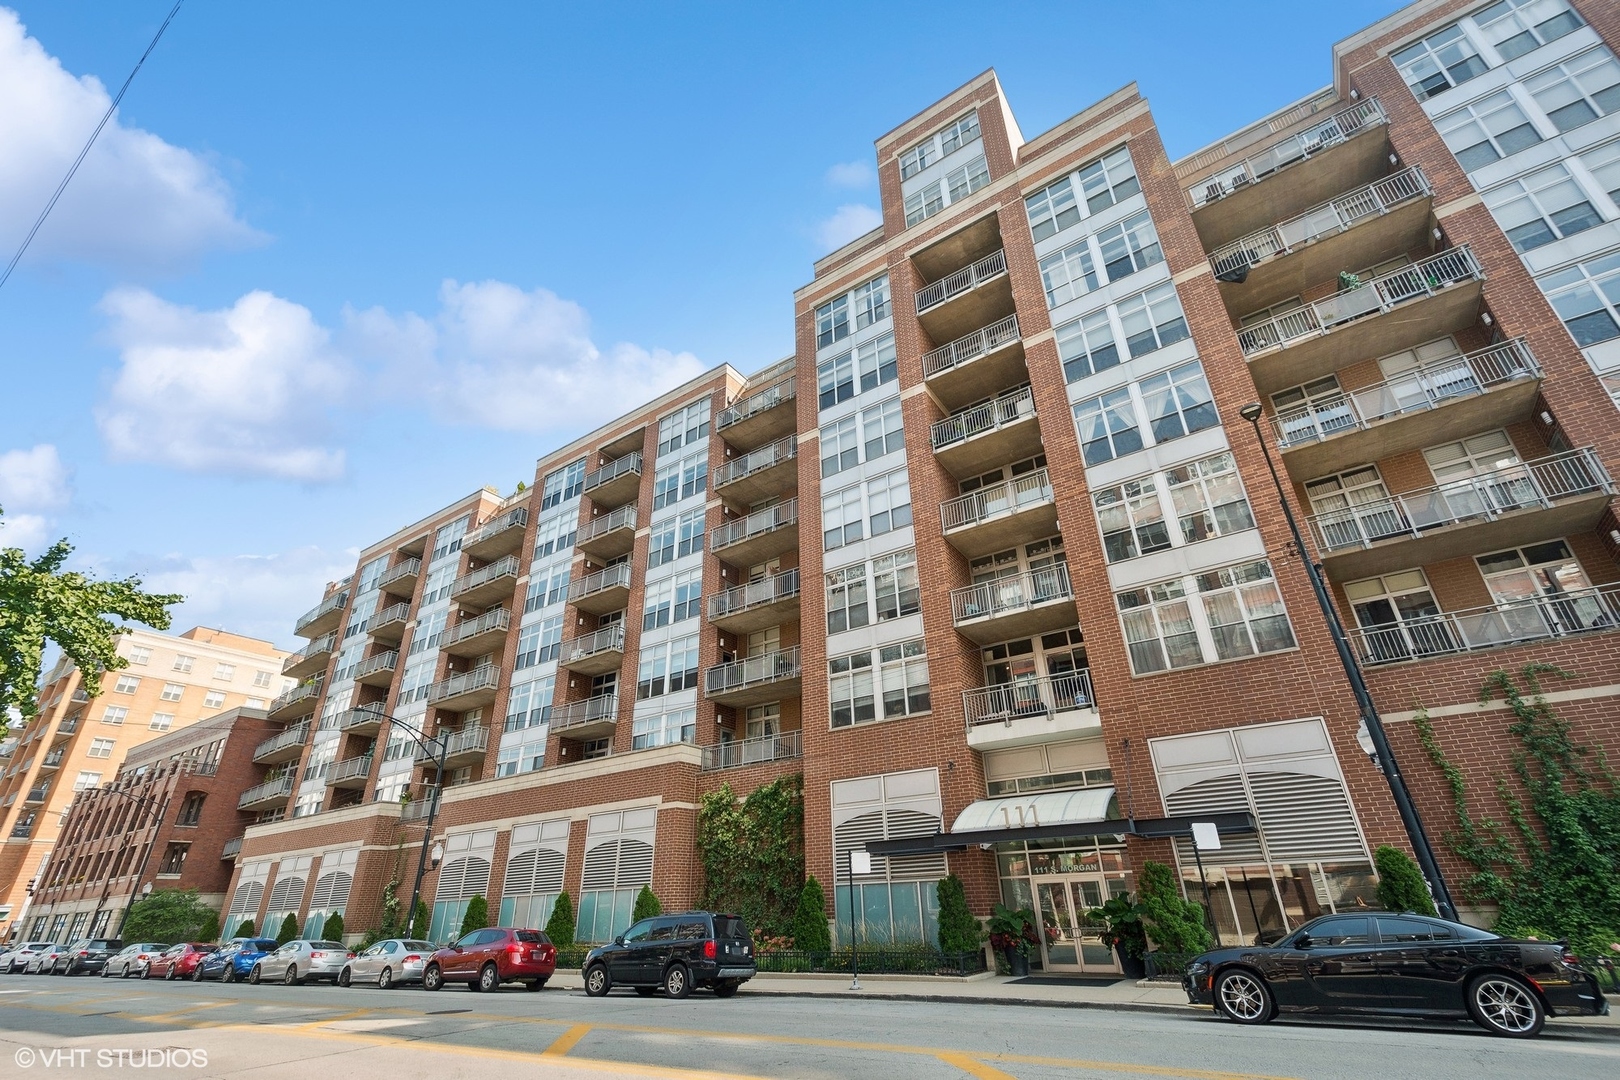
<point x="1069" y="940"/>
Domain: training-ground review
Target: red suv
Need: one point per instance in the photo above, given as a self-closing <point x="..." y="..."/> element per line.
<point x="486" y="958"/>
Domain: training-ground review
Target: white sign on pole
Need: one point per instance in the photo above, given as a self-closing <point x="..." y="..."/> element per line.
<point x="860" y="862"/>
<point x="1205" y="836"/>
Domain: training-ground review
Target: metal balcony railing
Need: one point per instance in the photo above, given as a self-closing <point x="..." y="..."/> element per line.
<point x="68" y="726"/>
<point x="590" y="711"/>
<point x="992" y="266"/>
<point x="279" y="788"/>
<point x="1436" y="383"/>
<point x="37" y="793"/>
<point x="349" y="769"/>
<point x="1537" y="618"/>
<point x="970" y="347"/>
<point x="1333" y="216"/>
<point x="480" y="678"/>
<point x="1004" y="409"/>
<point x="767" y="520"/>
<point x="325" y="607"/>
<point x="506" y="566"/>
<point x="994" y="500"/>
<point x="512" y="519"/>
<point x="418" y="809"/>
<point x="1528" y="485"/>
<point x="630" y="463"/>
<point x="295" y="695"/>
<point x="754" y="404"/>
<point x="1369" y="298"/>
<point x="767" y="590"/>
<point x="775" y="666"/>
<point x="320" y="645"/>
<point x="411" y="567"/>
<point x="465" y="741"/>
<point x="1045" y="695"/>
<point x="494" y="619"/>
<point x="293" y="736"/>
<point x="612" y="577"/>
<point x="623" y="517"/>
<point x="232" y="848"/>
<point x="785" y="746"/>
<point x="1006" y="595"/>
<point x="362" y="716"/>
<point x="383" y="661"/>
<point x="1331" y="131"/>
<point x="53" y="759"/>
<point x="608" y="639"/>
<point x="389" y="616"/>
<point x="784" y="449"/>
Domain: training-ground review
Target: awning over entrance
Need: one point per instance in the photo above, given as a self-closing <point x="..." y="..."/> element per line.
<point x="1083" y="807"/>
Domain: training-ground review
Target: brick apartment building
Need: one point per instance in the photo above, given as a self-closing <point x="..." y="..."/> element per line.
<point x="168" y="820"/>
<point x="1054" y="610"/>
<point x="74" y="743"/>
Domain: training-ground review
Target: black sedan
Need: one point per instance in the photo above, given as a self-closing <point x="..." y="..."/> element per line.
<point x="1397" y="965"/>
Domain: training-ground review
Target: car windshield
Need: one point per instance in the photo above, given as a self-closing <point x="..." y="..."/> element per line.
<point x="326" y="945"/>
<point x="531" y="937"/>
<point x="730" y="928"/>
<point x="260" y="944"/>
<point x="419" y="946"/>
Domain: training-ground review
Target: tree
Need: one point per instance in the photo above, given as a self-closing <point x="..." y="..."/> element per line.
<point x="247" y="929"/>
<point x="1176" y="924"/>
<point x="958" y="929"/>
<point x="40" y="602"/>
<point x="752" y="852"/>
<point x="419" y="920"/>
<point x="210" y="927"/>
<point x="332" y="930"/>
<point x="810" y="921"/>
<point x="1400" y="883"/>
<point x="389" y="927"/>
<point x="647" y="905"/>
<point x="168" y="915"/>
<point x="560" y="927"/>
<point x="288" y="931"/>
<point x="477" y="916"/>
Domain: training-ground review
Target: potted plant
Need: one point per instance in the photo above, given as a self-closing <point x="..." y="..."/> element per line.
<point x="1125" y="933"/>
<point x="1012" y="934"/>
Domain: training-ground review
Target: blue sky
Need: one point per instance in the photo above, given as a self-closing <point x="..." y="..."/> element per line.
<point x="337" y="265"/>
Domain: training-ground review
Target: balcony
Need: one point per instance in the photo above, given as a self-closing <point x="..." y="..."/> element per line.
<point x="754" y="680"/>
<point x="761" y="535"/>
<point x="388" y="625"/>
<point x="466" y="747"/>
<point x="1440" y="401"/>
<point x="377" y="670"/>
<point x="1000" y="516"/>
<point x="1001" y="429"/>
<point x="760" y="417"/>
<point x="1360" y="227"/>
<point x="472" y="638"/>
<point x="1438" y="295"/>
<point x="286" y="746"/>
<point x="771" y="601"/>
<point x="608" y="536"/>
<point x="1521" y="504"/>
<point x="417" y="809"/>
<point x="977" y="365"/>
<point x="53" y="760"/>
<point x="22" y="830"/>
<point x="760" y="474"/>
<point x="488" y="585"/>
<point x="66" y="728"/>
<point x="468" y="690"/>
<point x="1030" y="711"/>
<point x="324" y="617"/>
<point x="595" y="654"/>
<point x="1318" y="161"/>
<point x="350" y="772"/>
<point x="786" y="746"/>
<point x="232" y="848"/>
<point x="36" y="794"/>
<point x="362" y="720"/>
<point x="593" y="718"/>
<point x="501" y="535"/>
<point x="1017" y="606"/>
<point x="400" y="579"/>
<point x="299" y="701"/>
<point x="1539" y="618"/>
<point x="312" y="660"/>
<point x="616" y="483"/>
<point x="604" y="591"/>
<point x="962" y="301"/>
<point x="270" y="793"/>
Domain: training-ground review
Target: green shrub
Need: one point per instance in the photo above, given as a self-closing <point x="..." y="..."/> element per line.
<point x="1176" y="924"/>
<point x="560" y="927"/>
<point x="1400" y="883"/>
<point x="333" y="930"/>
<point x="289" y="929"/>
<point x="477" y="916"/>
<point x="210" y="928"/>
<point x="419" y="920"/>
<point x="167" y="915"/>
<point x="247" y="929"/>
<point x="958" y="929"/>
<point x="647" y="905"/>
<point x="810" y="921"/>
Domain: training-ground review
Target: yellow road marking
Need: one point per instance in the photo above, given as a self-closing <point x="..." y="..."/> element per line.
<point x="568" y="1039"/>
<point x="172" y="1015"/>
<point x="974" y="1067"/>
<point x="350" y="1015"/>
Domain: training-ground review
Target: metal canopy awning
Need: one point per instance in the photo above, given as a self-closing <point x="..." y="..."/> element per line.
<point x="994" y="812"/>
<point x="1083" y="807"/>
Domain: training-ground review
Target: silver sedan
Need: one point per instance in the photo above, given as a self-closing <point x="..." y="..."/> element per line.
<point x="388" y="963"/>
<point x="17" y="959"/>
<point x="299" y="961"/>
<point x="131" y="959"/>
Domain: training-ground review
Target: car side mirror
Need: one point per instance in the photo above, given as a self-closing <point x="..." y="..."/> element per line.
<point x="456" y="948"/>
<point x="619" y="940"/>
<point x="1303" y="941"/>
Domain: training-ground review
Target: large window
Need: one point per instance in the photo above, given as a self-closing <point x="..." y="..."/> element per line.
<point x="966" y="179"/>
<point x="1151" y="320"/>
<point x="1176" y="402"/>
<point x="1222" y="614"/>
<point x="673" y="599"/>
<point x="877" y="431"/>
<point x="864" y="368"/>
<point x="895" y="675"/>
<point x="1587" y="298"/>
<point x="847" y="517"/>
<point x="563" y="484"/>
<point x="539" y="643"/>
<point x="667" y="667"/>
<point x="1068" y="273"/>
<point x="872" y="302"/>
<point x="547" y="585"/>
<point x="689" y="533"/>
<point x="1544" y="206"/>
<point x="1579" y="90"/>
<point x="924" y="203"/>
<point x="680" y="480"/>
<point x="529" y="704"/>
<point x="1440" y="61"/>
<point x="664" y="729"/>
<point x="884" y="589"/>
<point x="1515" y="27"/>
<point x="1145" y="322"/>
<point x="1130" y="246"/>
<point x="1099" y="185"/>
<point x="1109" y="180"/>
<point x="847" y="606"/>
<point x="683" y="427"/>
<point x="1483" y="131"/>
<point x="1121" y="250"/>
<point x="832" y="321"/>
<point x="949" y="139"/>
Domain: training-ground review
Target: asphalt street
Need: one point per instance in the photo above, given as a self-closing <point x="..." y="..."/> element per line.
<point x="88" y="1026"/>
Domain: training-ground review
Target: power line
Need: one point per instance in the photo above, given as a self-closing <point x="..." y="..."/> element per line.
<point x="17" y="258"/>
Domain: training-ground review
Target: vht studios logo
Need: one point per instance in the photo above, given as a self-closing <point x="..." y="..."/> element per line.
<point x="122" y="1057"/>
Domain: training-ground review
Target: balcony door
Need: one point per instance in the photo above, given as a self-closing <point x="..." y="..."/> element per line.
<point x="1398" y="617"/>
<point x="1476" y="476"/>
<point x="1353" y="508"/>
<point x="1413" y="381"/>
<point x="1037" y="676"/>
<point x="1541" y="591"/>
<point x="1071" y="941"/>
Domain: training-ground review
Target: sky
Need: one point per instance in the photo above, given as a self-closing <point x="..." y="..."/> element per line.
<point x="335" y="266"/>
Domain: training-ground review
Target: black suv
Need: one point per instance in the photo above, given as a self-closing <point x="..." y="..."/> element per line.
<point x="90" y="954"/>
<point x="676" y="953"/>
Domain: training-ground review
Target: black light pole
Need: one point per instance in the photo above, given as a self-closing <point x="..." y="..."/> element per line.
<point x="144" y="801"/>
<point x="440" y="745"/>
<point x="1415" y="833"/>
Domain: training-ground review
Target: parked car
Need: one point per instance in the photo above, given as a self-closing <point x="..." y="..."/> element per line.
<point x="87" y="955"/>
<point x="486" y="958"/>
<point x="131" y="959"/>
<point x="16" y="961"/>
<point x="301" y="960"/>
<point x="44" y="962"/>
<point x="1401" y="965"/>
<point x="234" y="960"/>
<point x="674" y="953"/>
<point x="388" y="963"/>
<point x="178" y="961"/>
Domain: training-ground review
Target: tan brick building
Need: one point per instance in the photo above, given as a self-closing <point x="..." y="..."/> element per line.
<point x="1055" y="612"/>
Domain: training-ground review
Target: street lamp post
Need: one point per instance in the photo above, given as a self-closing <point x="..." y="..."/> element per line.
<point x="140" y="871"/>
<point x="439" y="745"/>
<point x="1370" y="719"/>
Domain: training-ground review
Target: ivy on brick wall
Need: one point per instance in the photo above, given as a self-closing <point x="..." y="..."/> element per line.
<point x="1553" y="867"/>
<point x="753" y="853"/>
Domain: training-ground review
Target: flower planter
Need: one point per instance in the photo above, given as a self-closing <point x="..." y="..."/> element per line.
<point x="1017" y="962"/>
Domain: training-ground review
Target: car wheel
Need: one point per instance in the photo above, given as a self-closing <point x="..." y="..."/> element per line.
<point x="196" y="973"/>
<point x="385" y="979"/>
<point x="1503" y="1005"/>
<point x="255" y="975"/>
<point x="725" y="989"/>
<point x="125" y="973"/>
<point x="535" y="985"/>
<point x="290" y="976"/>
<point x="104" y="973"/>
<point x="597" y="982"/>
<point x="146" y="972"/>
<point x="171" y="974"/>
<point x="343" y="977"/>
<point x="489" y="979"/>
<point x="229" y="974"/>
<point x="646" y="991"/>
<point x="1244" y="996"/>
<point x="432" y="978"/>
<point x="677" y="982"/>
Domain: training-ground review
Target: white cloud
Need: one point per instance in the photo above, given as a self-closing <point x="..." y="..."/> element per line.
<point x="851" y="174"/>
<point x="33" y="482"/>
<point x="27" y="531"/>
<point x="847" y="222"/>
<point x="244" y="390"/>
<point x="136" y="200"/>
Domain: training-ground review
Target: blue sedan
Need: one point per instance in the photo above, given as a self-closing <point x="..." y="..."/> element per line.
<point x="233" y="960"/>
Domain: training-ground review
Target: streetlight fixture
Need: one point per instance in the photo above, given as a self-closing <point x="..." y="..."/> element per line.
<point x="438" y="745"/>
<point x="1371" y="723"/>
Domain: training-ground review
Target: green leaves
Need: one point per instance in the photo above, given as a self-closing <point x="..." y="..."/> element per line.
<point x="1175" y="924"/>
<point x="560" y="927"/>
<point x="477" y="916"/>
<point x="171" y="915"/>
<point x="810" y="932"/>
<point x="646" y="906"/>
<point x="753" y="853"/>
<point x="959" y="931"/>
<point x="1400" y="883"/>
